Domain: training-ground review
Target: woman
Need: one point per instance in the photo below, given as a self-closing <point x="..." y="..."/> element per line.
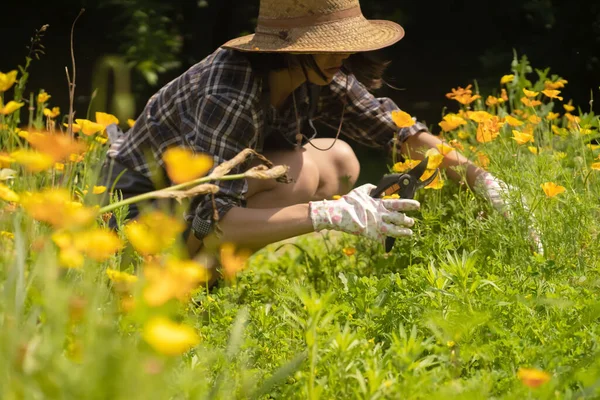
<point x="264" y="91"/>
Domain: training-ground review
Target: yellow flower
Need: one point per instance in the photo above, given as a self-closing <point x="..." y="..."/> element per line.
<point x="402" y="119"/>
<point x="101" y="140"/>
<point x="183" y="166"/>
<point x="7" y="80"/>
<point x="552" y="189"/>
<point x="58" y="146"/>
<point x="52" y="113"/>
<point x="529" y="102"/>
<point x="534" y="119"/>
<point x="120" y="277"/>
<point x="559" y="155"/>
<point x="482" y="160"/>
<point x="175" y="280"/>
<point x="33" y="161"/>
<point x="533" y="149"/>
<point x="169" y="338"/>
<point x="437" y="182"/>
<point x="522" y="137"/>
<point x="596" y="166"/>
<point x="569" y="106"/>
<point x="451" y="122"/>
<point x="88" y="127"/>
<point x="435" y="158"/>
<point x="233" y="260"/>
<point x="573" y="119"/>
<point x="7" y="235"/>
<point x="98" y="189"/>
<point x="467" y="99"/>
<point x="105" y="119"/>
<point x="131" y="122"/>
<point x="11" y="107"/>
<point x="54" y="206"/>
<point x="533" y="377"/>
<point x="59" y="166"/>
<point x="98" y="244"/>
<point x="455" y="144"/>
<point x="488" y="130"/>
<point x="553" y="94"/>
<point x="512" y="121"/>
<point x="463" y="135"/>
<point x="463" y="96"/>
<point x="391" y="196"/>
<point x="43" y="97"/>
<point x="507" y="79"/>
<point x="559" y="131"/>
<point x="552" y="116"/>
<point x="444" y="148"/>
<point x="7" y="194"/>
<point x="479" y="116"/>
<point x="70" y="257"/>
<point x="504" y="95"/>
<point x="405" y="166"/>
<point x="549" y="85"/>
<point x="349" y="251"/>
<point x="153" y="233"/>
<point x="530" y="93"/>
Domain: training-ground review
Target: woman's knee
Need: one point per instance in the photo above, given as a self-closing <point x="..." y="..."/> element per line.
<point x="346" y="165"/>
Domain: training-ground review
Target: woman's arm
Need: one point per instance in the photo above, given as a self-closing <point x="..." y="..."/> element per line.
<point x="415" y="147"/>
<point x="255" y="228"/>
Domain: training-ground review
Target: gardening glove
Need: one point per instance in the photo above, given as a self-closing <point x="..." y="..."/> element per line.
<point x="496" y="191"/>
<point x="360" y="214"/>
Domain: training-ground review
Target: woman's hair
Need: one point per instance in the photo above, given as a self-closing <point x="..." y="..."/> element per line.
<point x="366" y="67"/>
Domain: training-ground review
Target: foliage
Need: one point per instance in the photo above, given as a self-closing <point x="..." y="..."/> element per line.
<point x="464" y="309"/>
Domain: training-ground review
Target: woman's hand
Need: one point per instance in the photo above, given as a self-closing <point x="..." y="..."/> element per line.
<point x="360" y="214"/>
<point x="496" y="191"/>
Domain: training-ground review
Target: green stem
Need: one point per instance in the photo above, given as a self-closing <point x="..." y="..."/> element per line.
<point x="157" y="193"/>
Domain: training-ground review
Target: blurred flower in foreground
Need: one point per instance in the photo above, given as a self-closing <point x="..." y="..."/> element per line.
<point x="7" y="80"/>
<point x="168" y="337"/>
<point x="97" y="244"/>
<point x="552" y="189"/>
<point x="57" y="146"/>
<point x="533" y="377"/>
<point x="33" y="161"/>
<point x="184" y="166"/>
<point x="175" y="280"/>
<point x="7" y="194"/>
<point x="233" y="260"/>
<point x="11" y="107"/>
<point x="55" y="207"/>
<point x="153" y="232"/>
<point x="402" y="119"/>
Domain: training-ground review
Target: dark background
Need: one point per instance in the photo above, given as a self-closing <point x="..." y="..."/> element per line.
<point x="447" y="43"/>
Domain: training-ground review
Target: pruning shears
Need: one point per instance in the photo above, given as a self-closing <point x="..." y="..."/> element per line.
<point x="404" y="185"/>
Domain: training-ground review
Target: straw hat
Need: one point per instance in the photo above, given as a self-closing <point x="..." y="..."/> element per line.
<point x="316" y="26"/>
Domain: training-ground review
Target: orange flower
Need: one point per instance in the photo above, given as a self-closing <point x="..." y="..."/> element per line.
<point x="33" y="161"/>
<point x="529" y="102"/>
<point x="457" y="145"/>
<point x="482" y="160"/>
<point x="451" y="122"/>
<point x="596" y="166"/>
<point x="479" y="116"/>
<point x="437" y="182"/>
<point x="52" y="113"/>
<point x="175" y="280"/>
<point x="153" y="232"/>
<point x="57" y="146"/>
<point x="534" y="119"/>
<point x="402" y="119"/>
<point x="87" y="127"/>
<point x="530" y="93"/>
<point x="533" y="377"/>
<point x="492" y="101"/>
<point x="444" y="149"/>
<point x="184" y="166"/>
<point x="7" y="194"/>
<point x="553" y="94"/>
<point x="488" y="130"/>
<point x="569" y="106"/>
<point x="551" y="189"/>
<point x="168" y="337"/>
<point x="43" y="97"/>
<point x="349" y="251"/>
<point x="559" y="84"/>
<point x="503" y="95"/>
<point x="54" y="206"/>
<point x="552" y="116"/>
<point x="434" y="158"/>
<point x="105" y="119"/>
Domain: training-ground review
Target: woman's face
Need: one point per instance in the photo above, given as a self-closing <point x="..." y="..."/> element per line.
<point x="329" y="64"/>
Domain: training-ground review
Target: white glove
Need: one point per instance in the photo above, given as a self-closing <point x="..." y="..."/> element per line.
<point x="496" y="191"/>
<point x="360" y="214"/>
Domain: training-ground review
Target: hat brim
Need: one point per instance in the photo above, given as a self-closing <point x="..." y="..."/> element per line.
<point x="352" y="35"/>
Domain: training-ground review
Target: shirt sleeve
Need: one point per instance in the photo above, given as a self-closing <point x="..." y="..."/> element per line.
<point x="225" y="127"/>
<point x="367" y="119"/>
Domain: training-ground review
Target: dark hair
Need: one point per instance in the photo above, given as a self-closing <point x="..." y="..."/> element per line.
<point x="366" y="67"/>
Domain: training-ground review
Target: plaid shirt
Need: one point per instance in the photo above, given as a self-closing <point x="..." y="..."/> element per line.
<point x="216" y="107"/>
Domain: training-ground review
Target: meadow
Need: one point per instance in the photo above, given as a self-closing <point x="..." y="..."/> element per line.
<point x="467" y="308"/>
